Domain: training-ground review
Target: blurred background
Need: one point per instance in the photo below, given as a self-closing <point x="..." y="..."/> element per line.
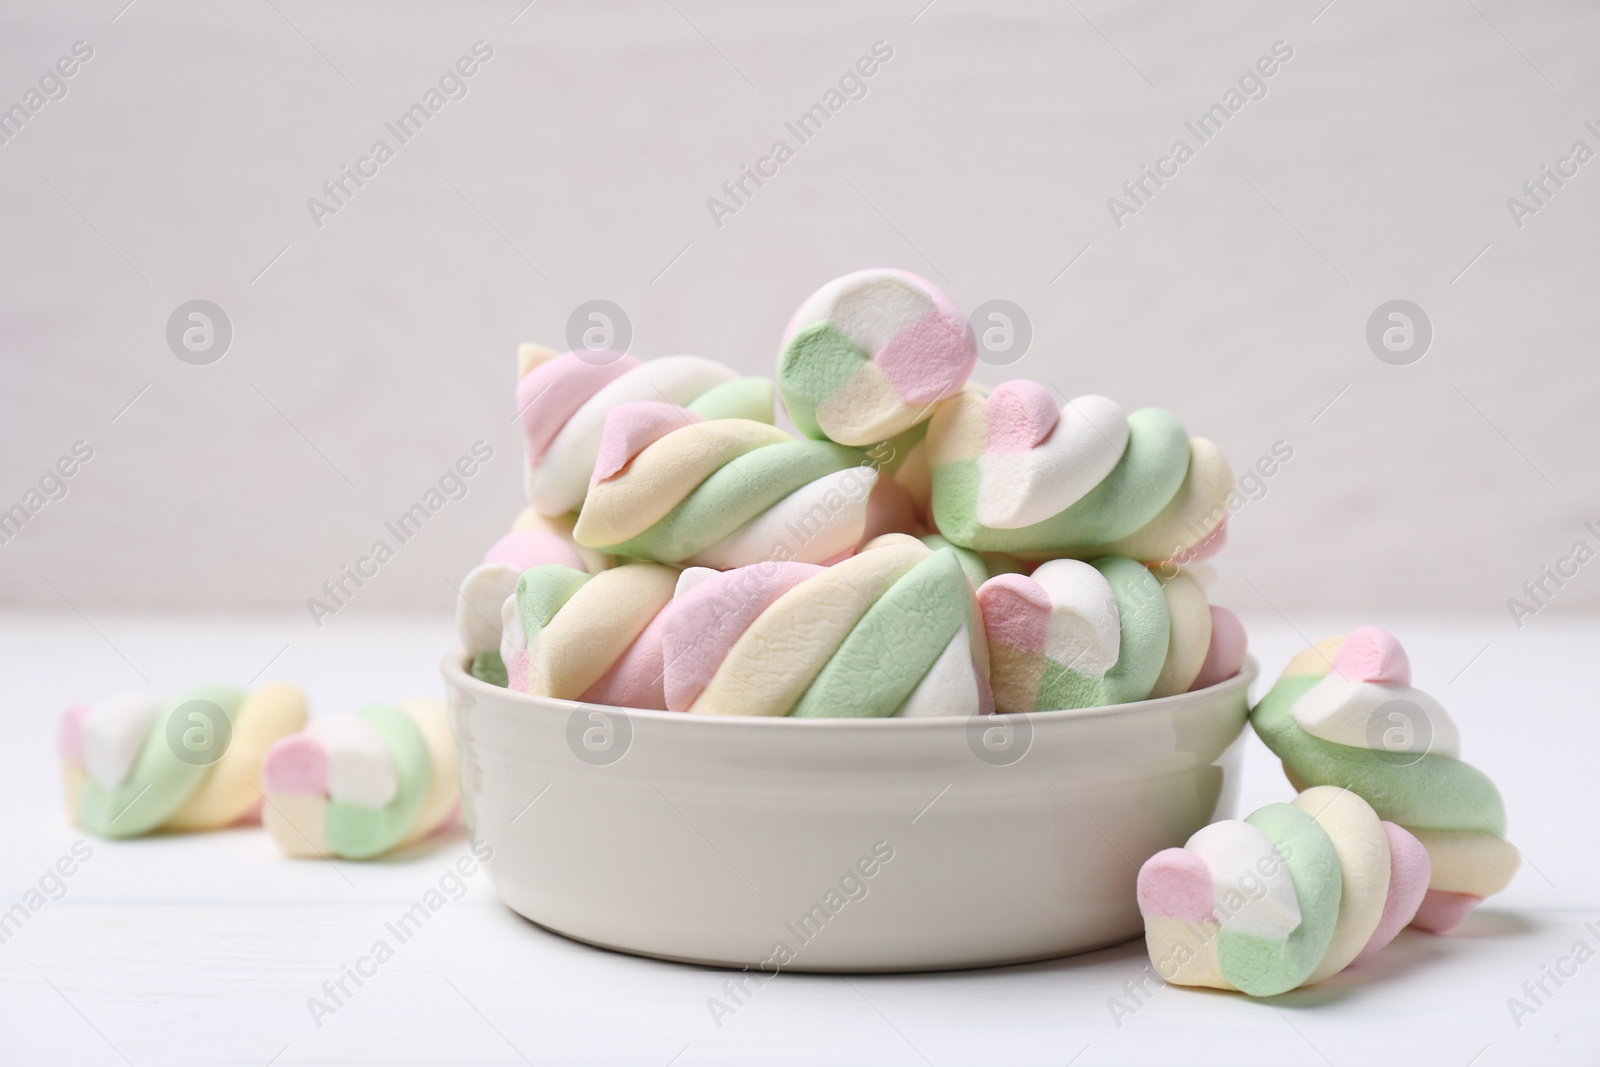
<point x="357" y="341"/>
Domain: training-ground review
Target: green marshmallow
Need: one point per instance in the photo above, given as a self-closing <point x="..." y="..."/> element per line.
<point x="489" y="667"/>
<point x="893" y="646"/>
<point x="1144" y="481"/>
<point x="1428" y="792"/>
<point x="734" y="494"/>
<point x="159" y="782"/>
<point x="359" y="833"/>
<point x="976" y="568"/>
<point x="1145" y="627"/>
<point x="1264" y="967"/>
<point x="742" y="398"/>
<point x="816" y="363"/>
<point x="542" y="591"/>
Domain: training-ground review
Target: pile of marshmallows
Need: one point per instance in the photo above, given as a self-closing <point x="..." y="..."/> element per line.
<point x="926" y="546"/>
<point x="930" y="546"/>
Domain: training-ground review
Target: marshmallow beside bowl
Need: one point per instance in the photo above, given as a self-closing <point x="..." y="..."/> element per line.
<point x="844" y="845"/>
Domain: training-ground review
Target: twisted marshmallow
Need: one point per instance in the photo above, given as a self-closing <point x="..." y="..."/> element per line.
<point x="563" y="401"/>
<point x="359" y="785"/>
<point x="1083" y="635"/>
<point x="671" y="487"/>
<point x="535" y="541"/>
<point x="123" y="775"/>
<point x="1012" y="473"/>
<point x="596" y="638"/>
<point x="868" y="355"/>
<point x="1288" y="897"/>
<point x="1344" y="713"/>
<point x="891" y="631"/>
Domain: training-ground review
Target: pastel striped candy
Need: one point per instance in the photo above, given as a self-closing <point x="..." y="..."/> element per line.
<point x="487" y="585"/>
<point x="1290" y="896"/>
<point x="560" y="526"/>
<point x="1081" y="635"/>
<point x="891" y="631"/>
<point x="123" y="775"/>
<point x="596" y="638"/>
<point x="359" y="785"/>
<point x="1011" y="472"/>
<point x="868" y="355"/>
<point x="563" y="400"/>
<point x="1344" y="713"/>
<point x="674" y="488"/>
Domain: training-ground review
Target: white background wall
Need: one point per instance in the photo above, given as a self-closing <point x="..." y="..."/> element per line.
<point x="379" y="347"/>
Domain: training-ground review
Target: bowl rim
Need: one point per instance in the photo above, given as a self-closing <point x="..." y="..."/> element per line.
<point x="453" y="666"/>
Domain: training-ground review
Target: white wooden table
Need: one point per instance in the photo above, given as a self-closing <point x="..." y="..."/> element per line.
<point x="205" y="950"/>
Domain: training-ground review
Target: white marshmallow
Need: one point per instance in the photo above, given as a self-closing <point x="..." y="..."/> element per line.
<point x="1017" y="489"/>
<point x="360" y="767"/>
<point x="1360" y="715"/>
<point x="949" y="687"/>
<point x="1085" y="627"/>
<point x="812" y="527"/>
<point x="692" y="577"/>
<point x="478" y="608"/>
<point x="114" y="732"/>
<point x="1244" y="863"/>
<point x="560" y="480"/>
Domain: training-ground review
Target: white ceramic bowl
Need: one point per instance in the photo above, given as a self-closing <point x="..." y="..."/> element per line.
<point x="837" y="844"/>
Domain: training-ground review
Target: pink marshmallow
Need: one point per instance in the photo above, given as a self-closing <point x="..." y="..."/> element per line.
<point x="1021" y="415"/>
<point x="1229" y="645"/>
<point x="69" y="733"/>
<point x="298" y="765"/>
<point x="552" y="392"/>
<point x="521" y="549"/>
<point x="1409" y="871"/>
<point x="1016" y="612"/>
<point x="929" y="359"/>
<point x="704" y="623"/>
<point x="630" y="428"/>
<point x="517" y="671"/>
<point x="1176" y="884"/>
<point x="1373" y="654"/>
<point x="634" y="680"/>
<point x="1441" y="911"/>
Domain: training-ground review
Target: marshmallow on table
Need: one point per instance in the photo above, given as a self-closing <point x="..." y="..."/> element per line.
<point x="1344" y="713"/>
<point x="1288" y="897"/>
<point x="868" y="355"/>
<point x="596" y="638"/>
<point x="893" y="630"/>
<point x="673" y="488"/>
<point x="534" y="541"/>
<point x="358" y="785"/>
<point x="124" y="775"/>
<point x="1083" y="635"/>
<point x="563" y="400"/>
<point x="1013" y="473"/>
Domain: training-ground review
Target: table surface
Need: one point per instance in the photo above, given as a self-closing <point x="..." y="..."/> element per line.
<point x="206" y="949"/>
